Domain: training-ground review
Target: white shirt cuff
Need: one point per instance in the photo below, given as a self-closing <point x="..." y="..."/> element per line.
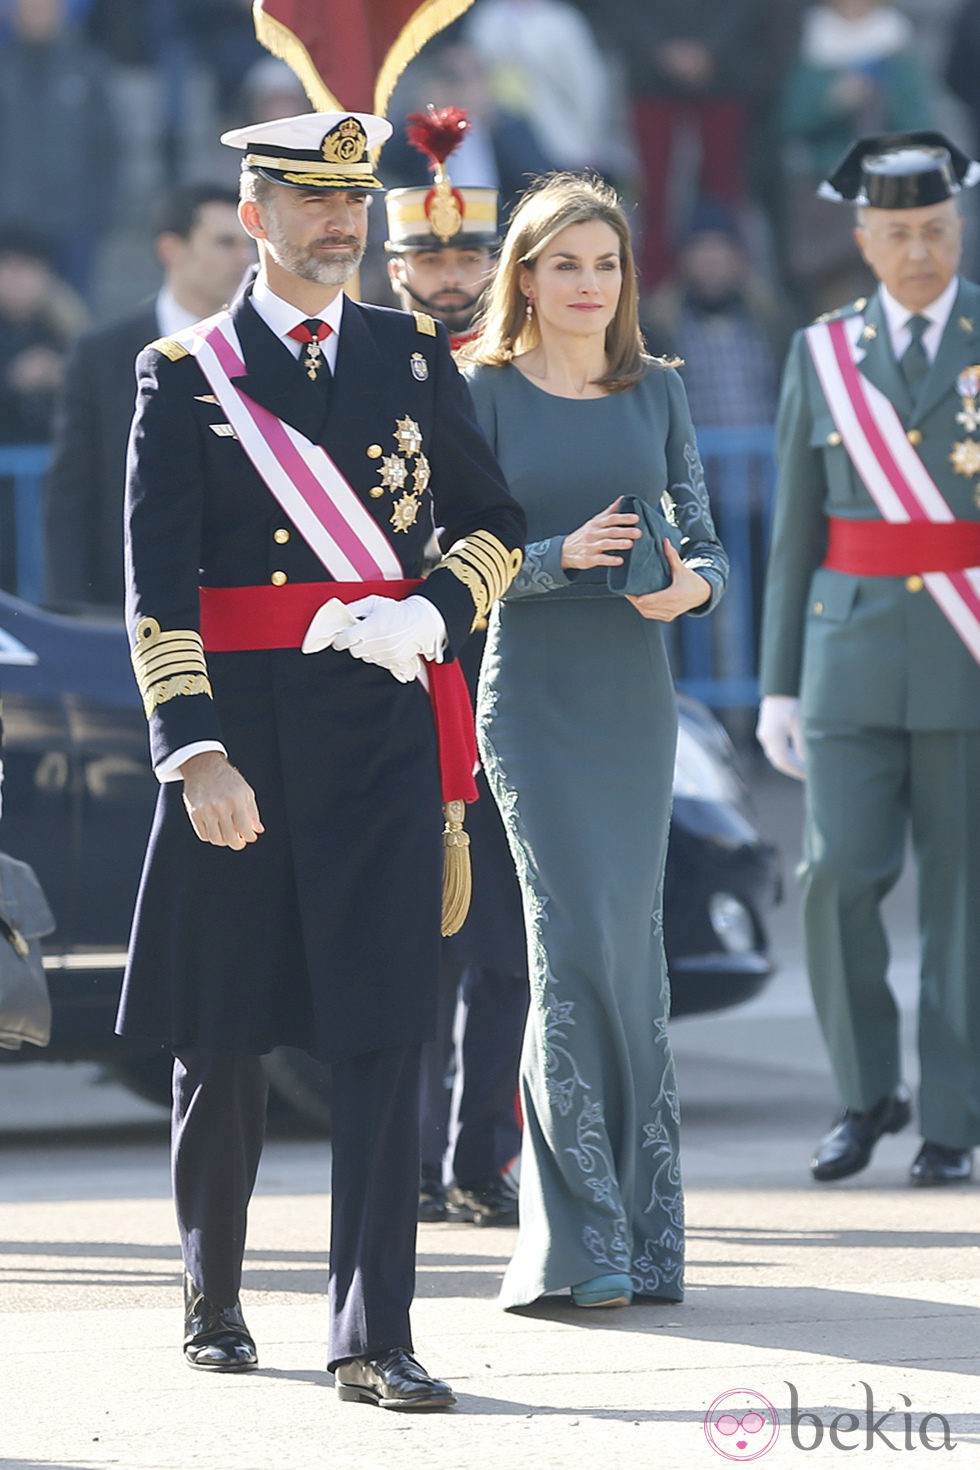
<point x="169" y="769"/>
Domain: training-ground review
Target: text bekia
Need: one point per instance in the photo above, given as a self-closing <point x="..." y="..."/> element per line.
<point x="894" y="1429"/>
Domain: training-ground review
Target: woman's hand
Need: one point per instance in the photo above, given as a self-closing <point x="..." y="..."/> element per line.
<point x="595" y="543"/>
<point x="688" y="589"/>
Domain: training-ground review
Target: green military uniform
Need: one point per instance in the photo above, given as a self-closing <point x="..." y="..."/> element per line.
<point x="890" y="700"/>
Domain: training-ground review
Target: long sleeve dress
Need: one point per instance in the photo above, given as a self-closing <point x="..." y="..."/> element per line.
<point x="577" y="729"/>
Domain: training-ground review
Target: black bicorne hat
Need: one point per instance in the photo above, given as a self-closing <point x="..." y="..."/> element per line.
<point x="901" y="171"/>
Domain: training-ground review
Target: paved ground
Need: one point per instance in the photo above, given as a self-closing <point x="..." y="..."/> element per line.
<point x="795" y="1293"/>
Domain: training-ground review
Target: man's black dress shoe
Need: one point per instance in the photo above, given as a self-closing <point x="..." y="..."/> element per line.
<point x="216" y="1338"/>
<point x="493" y="1202"/>
<point x="848" y="1146"/>
<point x="937" y="1164"/>
<point x="394" y="1380"/>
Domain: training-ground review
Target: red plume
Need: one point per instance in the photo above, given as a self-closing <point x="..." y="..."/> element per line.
<point x="437" y="131"/>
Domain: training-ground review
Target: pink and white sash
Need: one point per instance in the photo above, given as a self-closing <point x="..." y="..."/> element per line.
<point x="306" y="482"/>
<point x="893" y="474"/>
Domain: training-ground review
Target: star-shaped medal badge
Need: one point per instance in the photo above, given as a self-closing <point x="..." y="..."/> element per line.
<point x="408" y="436"/>
<point x="423" y="472"/>
<point x="965" y="457"/>
<point x="405" y="513"/>
<point x="393" y="472"/>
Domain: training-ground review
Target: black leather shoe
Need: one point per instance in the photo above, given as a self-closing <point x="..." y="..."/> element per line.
<point x="216" y="1338"/>
<point x="848" y="1146"/>
<point x="432" y="1196"/>
<point x="492" y="1202"/>
<point x="394" y="1380"/>
<point x="937" y="1164"/>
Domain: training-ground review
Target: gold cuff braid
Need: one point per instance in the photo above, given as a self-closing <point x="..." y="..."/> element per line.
<point x="168" y="664"/>
<point x="485" y="566"/>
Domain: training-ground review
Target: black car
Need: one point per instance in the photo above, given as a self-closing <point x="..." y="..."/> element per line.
<point x="78" y="799"/>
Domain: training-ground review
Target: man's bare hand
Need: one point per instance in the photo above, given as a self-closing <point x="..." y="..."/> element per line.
<point x="219" y="801"/>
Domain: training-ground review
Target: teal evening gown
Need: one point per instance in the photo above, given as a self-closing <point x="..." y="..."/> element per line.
<point x="577" y="727"/>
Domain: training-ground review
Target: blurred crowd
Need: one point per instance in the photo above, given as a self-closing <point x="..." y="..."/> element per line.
<point x="714" y="120"/>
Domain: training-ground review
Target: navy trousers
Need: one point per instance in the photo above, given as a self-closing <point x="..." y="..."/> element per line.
<point x="218" y="1130"/>
<point x="481" y="1016"/>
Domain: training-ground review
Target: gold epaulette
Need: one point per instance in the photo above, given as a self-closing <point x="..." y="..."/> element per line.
<point x="425" y="323"/>
<point x="853" y="308"/>
<point x="485" y="566"/>
<point x="168" y="664"/>
<point x="169" y="347"/>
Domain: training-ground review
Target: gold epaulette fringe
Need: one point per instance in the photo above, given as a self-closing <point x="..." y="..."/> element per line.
<point x="457" y="874"/>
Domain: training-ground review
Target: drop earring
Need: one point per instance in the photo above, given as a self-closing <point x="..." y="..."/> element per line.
<point x="529" y="308"/>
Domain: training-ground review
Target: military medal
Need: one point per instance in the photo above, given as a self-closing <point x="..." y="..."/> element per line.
<point x="965" y="457"/>
<point x="968" y="387"/>
<point x="394" y="469"/>
<point x="311" y="333"/>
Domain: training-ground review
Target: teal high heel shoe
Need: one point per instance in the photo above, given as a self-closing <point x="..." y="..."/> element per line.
<point x="604" y="1291"/>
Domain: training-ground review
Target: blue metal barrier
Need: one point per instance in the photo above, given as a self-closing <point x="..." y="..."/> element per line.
<point x="22" y="471"/>
<point x="715" y="659"/>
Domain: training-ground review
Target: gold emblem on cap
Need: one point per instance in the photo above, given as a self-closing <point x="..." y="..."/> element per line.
<point x="346" y="142"/>
<point x="443" y="209"/>
<point x="965" y="457"/>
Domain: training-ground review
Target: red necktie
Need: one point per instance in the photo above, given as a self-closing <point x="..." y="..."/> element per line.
<point x="312" y="332"/>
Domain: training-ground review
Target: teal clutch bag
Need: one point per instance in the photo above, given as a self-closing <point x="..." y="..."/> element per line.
<point x="645" y="567"/>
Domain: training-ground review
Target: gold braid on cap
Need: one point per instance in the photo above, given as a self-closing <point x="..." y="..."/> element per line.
<point x="168" y="664"/>
<point x="485" y="566"/>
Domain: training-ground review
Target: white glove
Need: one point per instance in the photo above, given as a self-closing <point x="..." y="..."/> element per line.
<point x="395" y="635"/>
<point x="325" y="624"/>
<point x="780" y="733"/>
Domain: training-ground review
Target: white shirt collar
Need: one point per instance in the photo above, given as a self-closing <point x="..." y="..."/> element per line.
<point x="171" y="316"/>
<point x="281" y="317"/>
<point x="897" y="318"/>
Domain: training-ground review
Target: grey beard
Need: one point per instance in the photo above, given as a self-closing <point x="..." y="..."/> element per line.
<point x="308" y="268"/>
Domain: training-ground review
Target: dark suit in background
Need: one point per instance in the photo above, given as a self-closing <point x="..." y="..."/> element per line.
<point x="84" y="493"/>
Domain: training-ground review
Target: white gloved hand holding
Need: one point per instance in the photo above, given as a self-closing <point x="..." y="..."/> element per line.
<point x="395" y="635"/>
<point x="780" y="733"/>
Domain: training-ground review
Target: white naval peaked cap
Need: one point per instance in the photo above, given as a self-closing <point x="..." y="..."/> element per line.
<point x="315" y="150"/>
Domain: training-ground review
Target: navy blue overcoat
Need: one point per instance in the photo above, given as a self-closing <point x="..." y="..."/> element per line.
<point x="324" y="933"/>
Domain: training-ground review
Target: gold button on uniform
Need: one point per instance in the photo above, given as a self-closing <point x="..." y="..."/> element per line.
<point x="279" y="579"/>
<point x="281" y="536"/>
<point x="818" y="608"/>
<point x="833" y="438"/>
<point x="914" y="584"/>
<point x="914" y="436"/>
<point x="374" y="451"/>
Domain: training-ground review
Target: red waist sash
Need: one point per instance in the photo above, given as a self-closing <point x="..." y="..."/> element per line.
<point x="901" y="549"/>
<point x="247" y="619"/>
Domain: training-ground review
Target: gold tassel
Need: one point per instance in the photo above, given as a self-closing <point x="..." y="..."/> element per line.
<point x="457" y="875"/>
